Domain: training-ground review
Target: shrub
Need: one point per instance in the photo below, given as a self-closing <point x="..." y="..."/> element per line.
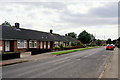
<point x="118" y="44"/>
<point x="61" y="46"/>
<point x="73" y="44"/>
<point x="78" y="44"/>
<point x="84" y="45"/>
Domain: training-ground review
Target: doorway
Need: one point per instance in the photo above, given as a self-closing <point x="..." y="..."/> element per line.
<point x="7" y="46"/>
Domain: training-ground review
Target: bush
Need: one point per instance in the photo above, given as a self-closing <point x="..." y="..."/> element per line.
<point x="118" y="44"/>
<point x="61" y="46"/>
<point x="78" y="44"/>
<point x="73" y="44"/>
<point x="84" y="45"/>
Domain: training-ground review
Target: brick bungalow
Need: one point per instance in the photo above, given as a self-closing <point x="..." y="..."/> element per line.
<point x="19" y="40"/>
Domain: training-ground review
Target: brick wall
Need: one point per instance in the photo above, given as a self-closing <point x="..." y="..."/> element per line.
<point x="27" y="44"/>
<point x="48" y="45"/>
<point x="66" y="43"/>
<point x="18" y="50"/>
<point x="38" y="44"/>
<point x="44" y="45"/>
<point x="2" y="45"/>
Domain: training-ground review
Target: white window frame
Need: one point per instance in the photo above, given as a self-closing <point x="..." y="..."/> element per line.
<point x="64" y="44"/>
<point x="70" y="43"/>
<point x="56" y="44"/>
<point x="61" y="43"/>
<point x="1" y="48"/>
<point x="21" y="44"/>
<point x="48" y="45"/>
<point x="31" y="45"/>
<point x="41" y="44"/>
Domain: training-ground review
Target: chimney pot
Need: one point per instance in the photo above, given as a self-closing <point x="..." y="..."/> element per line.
<point x="17" y="25"/>
<point x="51" y="31"/>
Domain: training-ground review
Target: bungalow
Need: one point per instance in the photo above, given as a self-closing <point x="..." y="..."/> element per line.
<point x="16" y="39"/>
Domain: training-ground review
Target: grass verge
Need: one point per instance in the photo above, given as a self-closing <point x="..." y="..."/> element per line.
<point x="69" y="51"/>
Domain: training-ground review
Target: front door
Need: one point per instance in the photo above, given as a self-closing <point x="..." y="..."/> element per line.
<point x="7" y="45"/>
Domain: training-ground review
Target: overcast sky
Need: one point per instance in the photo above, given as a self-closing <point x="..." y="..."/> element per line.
<point x="97" y="18"/>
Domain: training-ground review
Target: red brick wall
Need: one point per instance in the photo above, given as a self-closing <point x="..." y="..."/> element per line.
<point x="44" y="44"/>
<point x="27" y="44"/>
<point x="2" y="43"/>
<point x="53" y="44"/>
<point x="16" y="48"/>
<point x="66" y="43"/>
<point x="37" y="44"/>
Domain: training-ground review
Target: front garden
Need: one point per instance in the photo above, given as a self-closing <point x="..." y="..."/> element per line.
<point x="69" y="51"/>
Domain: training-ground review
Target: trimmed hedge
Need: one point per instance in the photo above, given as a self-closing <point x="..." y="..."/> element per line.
<point x="10" y="55"/>
<point x="39" y="51"/>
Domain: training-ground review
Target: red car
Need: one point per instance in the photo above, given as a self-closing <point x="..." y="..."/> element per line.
<point x="110" y="47"/>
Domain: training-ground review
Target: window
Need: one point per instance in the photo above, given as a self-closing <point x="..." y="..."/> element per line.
<point x="32" y="44"/>
<point x="70" y="43"/>
<point x="56" y="43"/>
<point x="61" y="43"/>
<point x="41" y="45"/>
<point x="48" y="45"/>
<point x="64" y="44"/>
<point x="22" y="44"/>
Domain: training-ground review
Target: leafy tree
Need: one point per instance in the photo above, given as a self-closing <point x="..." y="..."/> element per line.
<point x="6" y="24"/>
<point x="118" y="39"/>
<point x="118" y="42"/>
<point x="85" y="37"/>
<point x="114" y="41"/>
<point x="99" y="42"/>
<point x="109" y="41"/>
<point x="72" y="34"/>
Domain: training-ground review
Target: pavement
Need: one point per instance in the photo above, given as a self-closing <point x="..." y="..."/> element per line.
<point x="29" y="58"/>
<point x="26" y="59"/>
<point x="81" y="64"/>
<point x="112" y="66"/>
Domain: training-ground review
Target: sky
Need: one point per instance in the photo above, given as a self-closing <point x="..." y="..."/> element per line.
<point x="99" y="18"/>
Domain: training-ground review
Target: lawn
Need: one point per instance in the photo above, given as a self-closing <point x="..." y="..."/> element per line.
<point x="69" y="51"/>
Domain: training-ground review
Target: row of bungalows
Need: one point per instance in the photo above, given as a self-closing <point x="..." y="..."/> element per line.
<point x="16" y="39"/>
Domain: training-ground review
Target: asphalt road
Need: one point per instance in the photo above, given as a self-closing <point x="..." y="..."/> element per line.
<point x="81" y="64"/>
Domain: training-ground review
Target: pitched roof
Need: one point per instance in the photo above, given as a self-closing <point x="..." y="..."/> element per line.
<point x="9" y="33"/>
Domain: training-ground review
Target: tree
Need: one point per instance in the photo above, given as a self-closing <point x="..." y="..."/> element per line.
<point x="118" y="42"/>
<point x="109" y="41"/>
<point x="72" y="34"/>
<point x="114" y="41"/>
<point x="6" y="24"/>
<point x="99" y="42"/>
<point x="85" y="37"/>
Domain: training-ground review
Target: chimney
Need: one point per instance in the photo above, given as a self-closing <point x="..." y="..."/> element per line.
<point x="51" y="31"/>
<point x="65" y="34"/>
<point x="17" y="25"/>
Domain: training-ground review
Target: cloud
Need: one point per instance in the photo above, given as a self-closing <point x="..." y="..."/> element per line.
<point x="63" y="17"/>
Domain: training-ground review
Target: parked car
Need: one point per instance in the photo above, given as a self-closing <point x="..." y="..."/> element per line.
<point x="113" y="45"/>
<point x="110" y="47"/>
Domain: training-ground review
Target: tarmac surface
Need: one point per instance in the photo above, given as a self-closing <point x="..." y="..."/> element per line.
<point x="81" y="64"/>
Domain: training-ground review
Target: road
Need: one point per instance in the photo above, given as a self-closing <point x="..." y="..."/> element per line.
<point x="81" y="64"/>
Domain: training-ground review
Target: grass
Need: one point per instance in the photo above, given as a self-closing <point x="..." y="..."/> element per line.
<point x="69" y="51"/>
